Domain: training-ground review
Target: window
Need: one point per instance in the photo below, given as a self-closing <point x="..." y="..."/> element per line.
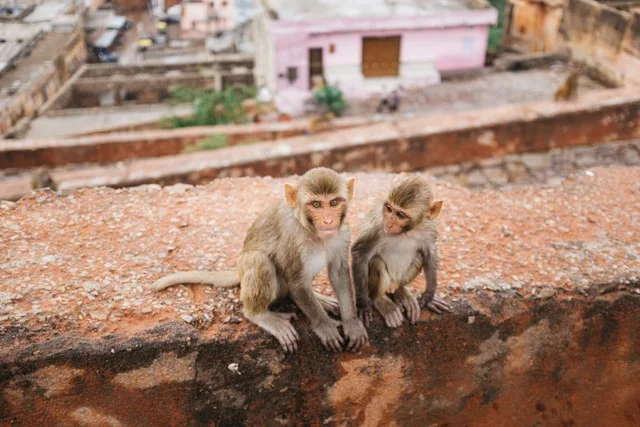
<point x="381" y="56"/>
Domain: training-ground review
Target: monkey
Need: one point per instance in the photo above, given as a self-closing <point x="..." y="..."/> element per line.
<point x="396" y="240"/>
<point x="42" y="179"/>
<point x="318" y="121"/>
<point x="569" y="87"/>
<point x="285" y="247"/>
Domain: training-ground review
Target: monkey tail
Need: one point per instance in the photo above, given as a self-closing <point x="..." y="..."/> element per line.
<point x="218" y="279"/>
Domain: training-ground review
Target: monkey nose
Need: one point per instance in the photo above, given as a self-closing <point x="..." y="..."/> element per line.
<point x="328" y="221"/>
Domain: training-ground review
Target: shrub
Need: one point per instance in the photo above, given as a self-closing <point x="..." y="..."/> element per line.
<point x="211" y="142"/>
<point x="331" y="98"/>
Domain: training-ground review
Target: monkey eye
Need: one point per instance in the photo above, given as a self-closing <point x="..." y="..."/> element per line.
<point x="401" y="215"/>
<point x="388" y="208"/>
<point x="334" y="202"/>
<point x="316" y="204"/>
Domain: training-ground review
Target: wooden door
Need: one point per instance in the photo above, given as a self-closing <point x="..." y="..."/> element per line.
<point x="381" y="56"/>
<point x="316" y="67"/>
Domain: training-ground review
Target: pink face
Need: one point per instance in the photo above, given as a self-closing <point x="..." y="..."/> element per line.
<point x="325" y="214"/>
<point x="396" y="221"/>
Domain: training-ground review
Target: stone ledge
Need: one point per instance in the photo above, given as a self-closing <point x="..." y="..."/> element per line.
<point x="115" y="147"/>
<point x="545" y="282"/>
<point x="403" y="145"/>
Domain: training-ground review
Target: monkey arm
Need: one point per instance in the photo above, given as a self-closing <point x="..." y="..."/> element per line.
<point x="430" y="264"/>
<point x="323" y="326"/>
<point x="360" y="257"/>
<point x="340" y="280"/>
<point x="360" y="269"/>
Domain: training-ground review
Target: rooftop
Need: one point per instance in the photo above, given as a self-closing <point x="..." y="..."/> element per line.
<point x="48" y="10"/>
<point x="16" y="38"/>
<point x="298" y="10"/>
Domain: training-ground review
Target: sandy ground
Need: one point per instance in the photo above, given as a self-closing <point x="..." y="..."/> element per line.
<point x="81" y="262"/>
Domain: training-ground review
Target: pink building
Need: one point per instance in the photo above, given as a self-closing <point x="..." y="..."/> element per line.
<point x="367" y="46"/>
<point x="202" y="18"/>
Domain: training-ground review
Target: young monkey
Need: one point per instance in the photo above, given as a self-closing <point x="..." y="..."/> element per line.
<point x="396" y="241"/>
<point x="286" y="246"/>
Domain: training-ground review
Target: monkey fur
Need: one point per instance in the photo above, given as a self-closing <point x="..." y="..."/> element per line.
<point x="397" y="240"/>
<point x="569" y="87"/>
<point x="285" y="247"/>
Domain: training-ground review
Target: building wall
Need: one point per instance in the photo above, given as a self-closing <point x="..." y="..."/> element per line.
<point x="533" y="25"/>
<point x="426" y="49"/>
<point x="423" y="55"/>
<point x="195" y="20"/>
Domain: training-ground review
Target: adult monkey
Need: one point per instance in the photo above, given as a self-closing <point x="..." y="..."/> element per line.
<point x="285" y="247"/>
<point x="397" y="239"/>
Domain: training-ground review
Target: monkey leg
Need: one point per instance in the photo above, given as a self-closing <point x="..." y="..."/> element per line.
<point x="409" y="302"/>
<point x="379" y="283"/>
<point x="258" y="289"/>
<point x="329" y="304"/>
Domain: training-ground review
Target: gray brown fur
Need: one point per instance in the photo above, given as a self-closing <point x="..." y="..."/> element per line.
<point x="281" y="255"/>
<point x="380" y="261"/>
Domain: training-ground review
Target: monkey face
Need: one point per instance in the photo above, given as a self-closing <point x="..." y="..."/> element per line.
<point x="396" y="221"/>
<point x="325" y="214"/>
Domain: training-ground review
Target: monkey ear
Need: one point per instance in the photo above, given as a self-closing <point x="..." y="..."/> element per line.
<point x="290" y="195"/>
<point x="434" y="209"/>
<point x="351" y="182"/>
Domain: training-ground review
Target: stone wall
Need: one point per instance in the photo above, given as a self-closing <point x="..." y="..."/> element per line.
<point x="545" y="285"/>
<point x="403" y="145"/>
<point x="547" y="167"/>
<point x="28" y="101"/>
<point x="149" y="82"/>
<point x="115" y="147"/>
<point x="605" y="38"/>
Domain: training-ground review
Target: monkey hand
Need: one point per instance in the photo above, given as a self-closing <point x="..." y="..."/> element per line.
<point x="355" y="332"/>
<point x="434" y="303"/>
<point x="328" y="333"/>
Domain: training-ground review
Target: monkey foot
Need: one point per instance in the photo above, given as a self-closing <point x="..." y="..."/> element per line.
<point x="405" y="298"/>
<point x="438" y="305"/>
<point x="355" y="332"/>
<point x="279" y="325"/>
<point x="329" y="335"/>
<point x="390" y="311"/>
<point x="329" y="304"/>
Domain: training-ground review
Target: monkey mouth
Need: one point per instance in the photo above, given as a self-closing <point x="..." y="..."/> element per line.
<point x="326" y="232"/>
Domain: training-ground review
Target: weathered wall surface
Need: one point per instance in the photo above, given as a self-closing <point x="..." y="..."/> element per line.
<point x="558" y="362"/>
<point x="26" y="103"/>
<point x="604" y="37"/>
<point x="114" y="147"/>
<point x="547" y="167"/>
<point x="545" y="284"/>
<point x="403" y="145"/>
<point x="532" y="25"/>
<point x="129" y="5"/>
